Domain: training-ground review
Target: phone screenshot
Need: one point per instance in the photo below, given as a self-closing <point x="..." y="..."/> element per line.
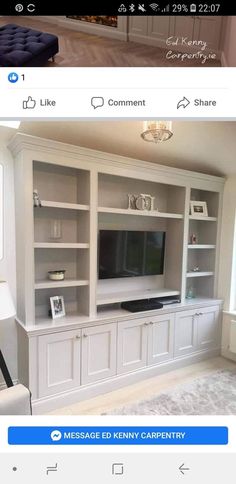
<point x="117" y="243"/>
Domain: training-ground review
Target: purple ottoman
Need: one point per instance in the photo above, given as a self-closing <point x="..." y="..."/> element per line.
<point x="23" y="47"/>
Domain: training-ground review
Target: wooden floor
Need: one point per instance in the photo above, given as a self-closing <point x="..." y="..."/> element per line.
<point x="83" y="50"/>
<point x="145" y="389"/>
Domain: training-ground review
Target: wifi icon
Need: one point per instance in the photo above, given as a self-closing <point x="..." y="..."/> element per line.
<point x="154" y="6"/>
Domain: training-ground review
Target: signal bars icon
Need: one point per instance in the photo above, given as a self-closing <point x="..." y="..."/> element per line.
<point x="156" y="8"/>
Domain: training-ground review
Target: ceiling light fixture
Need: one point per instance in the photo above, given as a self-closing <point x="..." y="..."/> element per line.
<point x="157" y="131"/>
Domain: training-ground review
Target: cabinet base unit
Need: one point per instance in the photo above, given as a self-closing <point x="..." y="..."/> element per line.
<point x="67" y="366"/>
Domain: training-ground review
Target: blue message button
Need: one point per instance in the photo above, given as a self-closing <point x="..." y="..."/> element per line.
<point x="118" y="435"/>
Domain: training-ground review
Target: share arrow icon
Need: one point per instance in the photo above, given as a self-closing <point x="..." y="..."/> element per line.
<point x="183" y="469"/>
<point x="183" y="103"/>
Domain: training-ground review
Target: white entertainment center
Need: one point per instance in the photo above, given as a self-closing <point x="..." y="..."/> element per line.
<point x="98" y="347"/>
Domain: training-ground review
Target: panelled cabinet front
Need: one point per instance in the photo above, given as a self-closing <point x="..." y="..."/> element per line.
<point x="132" y="345"/>
<point x="185" y="333"/>
<point x="98" y="353"/>
<point x="161" y="339"/>
<point x="59" y="362"/>
<point x="208" y="327"/>
<point x="156" y="30"/>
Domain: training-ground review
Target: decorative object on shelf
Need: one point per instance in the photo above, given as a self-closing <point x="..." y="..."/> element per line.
<point x="190" y="293"/>
<point x="193" y="239"/>
<point x="195" y="269"/>
<point x="198" y="208"/>
<point x="57" y="307"/>
<point x="36" y="198"/>
<point x="56" y="229"/>
<point x="131" y="201"/>
<point x="56" y="275"/>
<point x="157" y="131"/>
<point x="144" y="201"/>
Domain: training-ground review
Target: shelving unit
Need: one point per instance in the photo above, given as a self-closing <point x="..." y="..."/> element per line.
<point x="60" y="205"/>
<point x="48" y="284"/>
<point x="82" y="193"/>
<point x="59" y="245"/>
<point x="203" y="254"/>
<point x="103" y="300"/>
<point x="201" y="246"/>
<point x="199" y="274"/>
<point x="142" y="213"/>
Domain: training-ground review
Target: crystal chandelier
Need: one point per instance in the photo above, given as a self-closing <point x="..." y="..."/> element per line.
<point x="157" y="131"/>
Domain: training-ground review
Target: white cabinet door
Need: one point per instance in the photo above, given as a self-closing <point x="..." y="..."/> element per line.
<point x="98" y="353"/>
<point x="132" y="345"/>
<point x="208" y="29"/>
<point x="185" y="333"/>
<point x="138" y="27"/>
<point x="58" y="362"/>
<point x="182" y="27"/>
<point x="208" y="328"/>
<point x="159" y="28"/>
<point x="161" y="339"/>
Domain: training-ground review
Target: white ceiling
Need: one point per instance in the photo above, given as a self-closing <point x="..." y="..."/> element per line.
<point x="208" y="147"/>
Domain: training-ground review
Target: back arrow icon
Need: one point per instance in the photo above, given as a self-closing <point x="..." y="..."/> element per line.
<point x="183" y="103"/>
<point x="183" y="469"/>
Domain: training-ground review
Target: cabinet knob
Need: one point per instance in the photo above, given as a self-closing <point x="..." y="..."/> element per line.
<point x="85" y="335"/>
<point x="77" y="337"/>
<point x="146" y="324"/>
<point x="151" y="322"/>
<point x="197" y="314"/>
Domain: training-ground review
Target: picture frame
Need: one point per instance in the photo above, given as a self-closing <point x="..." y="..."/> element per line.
<point x="198" y="208"/>
<point x="57" y="307"/>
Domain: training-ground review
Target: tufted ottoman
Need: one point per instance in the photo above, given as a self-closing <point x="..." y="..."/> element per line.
<point x="23" y="47"/>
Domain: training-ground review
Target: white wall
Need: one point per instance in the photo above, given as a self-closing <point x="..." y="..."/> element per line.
<point x="8" y="339"/>
<point x="227" y="261"/>
<point x="229" y="50"/>
<point x="227" y="240"/>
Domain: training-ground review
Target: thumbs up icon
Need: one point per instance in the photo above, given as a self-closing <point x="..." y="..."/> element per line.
<point x="30" y="103"/>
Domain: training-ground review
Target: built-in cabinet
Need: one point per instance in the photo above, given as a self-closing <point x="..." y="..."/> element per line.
<point x="194" y="29"/>
<point x="73" y="359"/>
<point x="197" y="330"/>
<point x="98" y="346"/>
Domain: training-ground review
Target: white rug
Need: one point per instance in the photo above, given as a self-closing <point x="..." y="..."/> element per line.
<point x="214" y="394"/>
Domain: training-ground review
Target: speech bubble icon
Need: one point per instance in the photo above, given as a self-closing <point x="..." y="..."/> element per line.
<point x="97" y="102"/>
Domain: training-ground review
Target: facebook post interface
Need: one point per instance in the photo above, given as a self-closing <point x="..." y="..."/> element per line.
<point x="117" y="243"/>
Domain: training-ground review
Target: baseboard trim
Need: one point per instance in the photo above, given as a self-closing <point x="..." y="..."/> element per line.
<point x="48" y="404"/>
<point x="228" y="354"/>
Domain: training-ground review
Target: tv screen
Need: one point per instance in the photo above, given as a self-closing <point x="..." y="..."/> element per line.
<point x="126" y="253"/>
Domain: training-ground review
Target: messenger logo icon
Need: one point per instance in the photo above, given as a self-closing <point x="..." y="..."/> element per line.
<point x="56" y="435"/>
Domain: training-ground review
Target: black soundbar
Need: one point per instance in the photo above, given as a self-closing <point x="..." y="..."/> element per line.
<point x="141" y="305"/>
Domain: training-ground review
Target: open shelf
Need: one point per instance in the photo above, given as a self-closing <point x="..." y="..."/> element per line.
<point x="117" y="297"/>
<point x="201" y="246"/>
<point x="201" y="218"/>
<point x="200" y="274"/>
<point x="144" y="213"/>
<point x="48" y="284"/>
<point x="61" y="205"/>
<point x="59" y="245"/>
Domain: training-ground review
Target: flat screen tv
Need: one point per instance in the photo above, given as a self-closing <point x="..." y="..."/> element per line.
<point x="126" y="253"/>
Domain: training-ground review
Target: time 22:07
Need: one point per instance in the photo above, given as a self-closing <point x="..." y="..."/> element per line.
<point x="208" y="8"/>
